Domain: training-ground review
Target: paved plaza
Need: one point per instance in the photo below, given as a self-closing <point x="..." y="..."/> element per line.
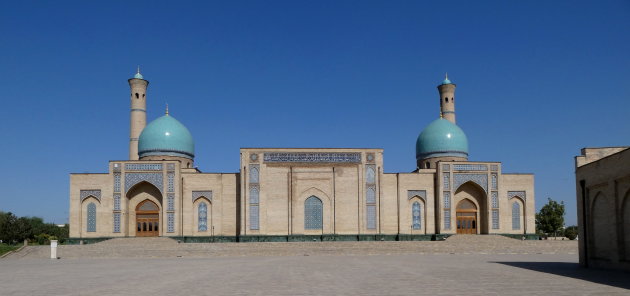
<point x="407" y="274"/>
<point x="461" y="265"/>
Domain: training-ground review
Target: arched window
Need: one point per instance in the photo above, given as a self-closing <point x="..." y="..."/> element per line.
<point x="91" y="217"/>
<point x="370" y="175"/>
<point x="516" y="216"/>
<point x="416" y="214"/>
<point x="313" y="213"/>
<point x="202" y="211"/>
<point x="253" y="174"/>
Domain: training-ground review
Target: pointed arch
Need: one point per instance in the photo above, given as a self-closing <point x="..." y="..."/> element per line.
<point x="602" y="226"/>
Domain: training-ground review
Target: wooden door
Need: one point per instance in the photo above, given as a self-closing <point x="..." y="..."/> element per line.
<point x="147" y="225"/>
<point x="466" y="225"/>
<point x="466" y="214"/>
<point x="147" y="219"/>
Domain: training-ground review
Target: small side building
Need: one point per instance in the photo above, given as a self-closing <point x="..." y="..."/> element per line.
<point x="602" y="177"/>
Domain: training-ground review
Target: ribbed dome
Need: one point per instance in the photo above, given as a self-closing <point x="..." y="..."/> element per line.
<point x="441" y="138"/>
<point x="166" y="136"/>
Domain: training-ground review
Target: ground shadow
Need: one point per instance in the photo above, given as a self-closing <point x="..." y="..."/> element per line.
<point x="613" y="278"/>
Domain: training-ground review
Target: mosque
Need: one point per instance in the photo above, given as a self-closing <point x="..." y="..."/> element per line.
<point x="291" y="194"/>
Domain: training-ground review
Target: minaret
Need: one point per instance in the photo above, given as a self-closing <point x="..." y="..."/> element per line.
<point x="138" y="112"/>
<point x="447" y="99"/>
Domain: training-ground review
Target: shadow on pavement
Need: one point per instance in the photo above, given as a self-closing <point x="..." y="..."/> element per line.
<point x="613" y="278"/>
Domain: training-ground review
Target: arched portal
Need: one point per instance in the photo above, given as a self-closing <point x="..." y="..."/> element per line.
<point x="137" y="195"/>
<point x="147" y="219"/>
<point x="477" y="203"/>
<point x="467" y="217"/>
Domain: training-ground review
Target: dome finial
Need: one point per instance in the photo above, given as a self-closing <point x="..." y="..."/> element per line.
<point x="138" y="75"/>
<point x="446" y="80"/>
<point x="166" y="109"/>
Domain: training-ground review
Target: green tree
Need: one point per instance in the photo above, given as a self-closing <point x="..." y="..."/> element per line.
<point x="13" y="229"/>
<point x="550" y="219"/>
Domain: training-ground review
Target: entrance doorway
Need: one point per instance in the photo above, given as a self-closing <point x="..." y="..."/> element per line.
<point x="147" y="219"/>
<point x="466" y="217"/>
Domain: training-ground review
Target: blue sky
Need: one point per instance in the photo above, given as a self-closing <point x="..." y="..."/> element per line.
<point x="537" y="81"/>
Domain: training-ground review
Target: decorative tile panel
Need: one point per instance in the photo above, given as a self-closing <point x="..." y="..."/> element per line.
<point x="143" y="167"/>
<point x="91" y="217"/>
<point x="447" y="200"/>
<point x="117" y="167"/>
<point x="132" y="179"/>
<point x="116" y="182"/>
<point x="253" y="194"/>
<point x="253" y="217"/>
<point x="370" y="174"/>
<point x="254" y="173"/>
<point x="313" y="213"/>
<point x="495" y="219"/>
<point x="116" y="201"/>
<point x="495" y="199"/>
<point x="370" y="195"/>
<point x="253" y="157"/>
<point x="202" y="214"/>
<point x="170" y="202"/>
<point x="330" y="157"/>
<point x="170" y="222"/>
<point x="447" y="219"/>
<point x="419" y="193"/>
<point x="479" y="179"/>
<point x="470" y="167"/>
<point x="371" y="217"/>
<point x="96" y="193"/>
<point x="170" y="167"/>
<point x="494" y="182"/>
<point x="198" y="194"/>
<point x="513" y="194"/>
<point x="446" y="167"/>
<point x="494" y="167"/>
<point x="369" y="157"/>
<point x="116" y="222"/>
<point x="446" y="181"/>
<point x="171" y="181"/>
<point x="416" y="215"/>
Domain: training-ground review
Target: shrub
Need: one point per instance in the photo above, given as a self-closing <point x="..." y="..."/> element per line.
<point x="571" y="232"/>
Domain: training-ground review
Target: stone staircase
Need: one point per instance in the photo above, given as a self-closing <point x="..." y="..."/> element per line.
<point x="161" y="247"/>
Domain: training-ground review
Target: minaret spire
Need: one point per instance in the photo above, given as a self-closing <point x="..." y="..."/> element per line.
<point x="138" y="116"/>
<point x="447" y="99"/>
<point x="166" y="109"/>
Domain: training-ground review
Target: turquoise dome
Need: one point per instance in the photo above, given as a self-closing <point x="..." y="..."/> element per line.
<point x="441" y="138"/>
<point x="166" y="136"/>
<point x="446" y="81"/>
<point x="138" y="75"/>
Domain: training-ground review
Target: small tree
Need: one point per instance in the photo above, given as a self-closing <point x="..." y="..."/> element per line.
<point x="550" y="219"/>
